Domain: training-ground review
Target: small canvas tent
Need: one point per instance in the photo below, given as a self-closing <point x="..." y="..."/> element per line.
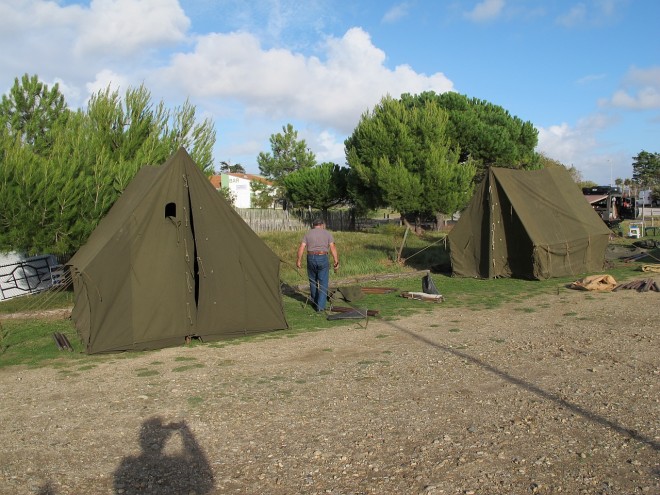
<point x="172" y="260"/>
<point x="527" y="224"/>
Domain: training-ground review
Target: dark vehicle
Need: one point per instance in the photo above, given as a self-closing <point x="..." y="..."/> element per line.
<point x="610" y="204"/>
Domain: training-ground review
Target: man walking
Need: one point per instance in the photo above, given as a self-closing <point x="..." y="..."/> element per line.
<point x="319" y="242"/>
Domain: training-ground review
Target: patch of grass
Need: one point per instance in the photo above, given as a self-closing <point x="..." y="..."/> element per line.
<point x="195" y="401"/>
<point x="382" y="336"/>
<point x="86" y="367"/>
<point x="37" y="302"/>
<point x="225" y="362"/>
<point x="146" y="372"/>
<point x="498" y="341"/>
<point x="185" y="358"/>
<point x="570" y="313"/>
<point x="525" y="310"/>
<point x="29" y="342"/>
<point x="325" y="372"/>
<point x="363" y="253"/>
<point x="454" y="330"/>
<point x="187" y="367"/>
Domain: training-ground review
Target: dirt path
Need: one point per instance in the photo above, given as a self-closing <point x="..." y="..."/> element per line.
<point x="557" y="395"/>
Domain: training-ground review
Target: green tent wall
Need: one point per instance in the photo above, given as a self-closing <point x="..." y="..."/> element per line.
<point x="527" y="224"/>
<point x="172" y="259"/>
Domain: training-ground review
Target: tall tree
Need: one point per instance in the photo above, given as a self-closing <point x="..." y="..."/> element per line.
<point x="547" y="162"/>
<point x="31" y="110"/>
<point x="227" y="167"/>
<point x="646" y="169"/>
<point x="320" y="187"/>
<point x="51" y="201"/>
<point x="400" y="157"/>
<point x="262" y="194"/>
<point x="484" y="132"/>
<point x="288" y="154"/>
<point x="133" y="129"/>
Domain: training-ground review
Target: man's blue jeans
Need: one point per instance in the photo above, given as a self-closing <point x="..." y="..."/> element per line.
<point x="318" y="272"/>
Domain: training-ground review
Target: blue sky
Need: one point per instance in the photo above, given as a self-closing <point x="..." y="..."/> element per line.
<point x="585" y="73"/>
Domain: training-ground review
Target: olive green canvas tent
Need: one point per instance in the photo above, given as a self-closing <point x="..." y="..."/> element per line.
<point x="173" y="261"/>
<point x="527" y="224"/>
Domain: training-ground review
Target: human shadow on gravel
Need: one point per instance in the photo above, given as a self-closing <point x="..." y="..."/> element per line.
<point x="46" y="489"/>
<point x="156" y="471"/>
<point x="585" y="413"/>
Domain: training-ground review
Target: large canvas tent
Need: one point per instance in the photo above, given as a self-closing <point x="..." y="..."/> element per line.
<point x="173" y="261"/>
<point x="527" y="224"/>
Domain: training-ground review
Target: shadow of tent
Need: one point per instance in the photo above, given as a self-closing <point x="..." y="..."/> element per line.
<point x="294" y="293"/>
<point x="652" y="255"/>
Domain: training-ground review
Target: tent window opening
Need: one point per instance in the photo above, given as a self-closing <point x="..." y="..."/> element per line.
<point x="170" y="210"/>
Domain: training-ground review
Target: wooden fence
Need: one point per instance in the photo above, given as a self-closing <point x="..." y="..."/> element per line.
<point x="269" y="220"/>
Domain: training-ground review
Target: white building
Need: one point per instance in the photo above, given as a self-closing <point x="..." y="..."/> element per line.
<point x="239" y="186"/>
<point x="645" y="198"/>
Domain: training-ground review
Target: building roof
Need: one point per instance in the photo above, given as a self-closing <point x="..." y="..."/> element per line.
<point x="251" y="177"/>
<point x="216" y="180"/>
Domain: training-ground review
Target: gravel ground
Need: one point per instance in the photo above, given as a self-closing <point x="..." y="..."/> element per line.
<point x="559" y="394"/>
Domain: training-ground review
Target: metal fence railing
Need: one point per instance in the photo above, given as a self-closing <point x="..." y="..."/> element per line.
<point x="30" y="276"/>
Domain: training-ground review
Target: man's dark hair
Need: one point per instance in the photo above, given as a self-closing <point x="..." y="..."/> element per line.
<point x="318" y="221"/>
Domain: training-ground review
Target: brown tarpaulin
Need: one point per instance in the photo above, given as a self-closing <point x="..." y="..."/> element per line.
<point x="172" y="259"/>
<point x="595" y="282"/>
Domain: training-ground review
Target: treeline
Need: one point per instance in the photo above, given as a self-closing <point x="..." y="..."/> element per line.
<point x="61" y="170"/>
<point x="420" y="155"/>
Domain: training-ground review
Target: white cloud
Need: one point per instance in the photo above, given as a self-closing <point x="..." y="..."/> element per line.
<point x="108" y="79"/>
<point x="588" y="79"/>
<point x="608" y="7"/>
<point x="575" y="16"/>
<point x="328" y="147"/>
<point x="565" y="143"/>
<point x="396" y="12"/>
<point x="76" y="44"/>
<point x="38" y="35"/>
<point x="579" y="146"/>
<point x="593" y="13"/>
<point x="124" y="27"/>
<point x="640" y="91"/>
<point x="485" y="11"/>
<point x="72" y="94"/>
<point x="279" y="83"/>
